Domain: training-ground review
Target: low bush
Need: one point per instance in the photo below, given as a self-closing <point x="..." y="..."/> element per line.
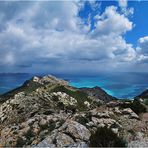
<point x="20" y="142"/>
<point x="82" y="120"/>
<point x="104" y="137"/>
<point x="146" y="101"/>
<point x="137" y="106"/>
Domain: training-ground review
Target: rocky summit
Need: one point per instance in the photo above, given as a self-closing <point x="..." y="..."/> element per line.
<point x="47" y="112"/>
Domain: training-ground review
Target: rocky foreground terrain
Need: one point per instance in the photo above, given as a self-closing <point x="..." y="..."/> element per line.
<point x="47" y="112"/>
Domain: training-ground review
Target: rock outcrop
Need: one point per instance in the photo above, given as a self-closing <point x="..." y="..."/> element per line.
<point x="48" y="79"/>
<point x="47" y="112"/>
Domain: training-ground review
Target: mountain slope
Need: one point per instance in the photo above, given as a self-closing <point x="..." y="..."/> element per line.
<point x="98" y="94"/>
<point x="47" y="112"/>
<point x="143" y="95"/>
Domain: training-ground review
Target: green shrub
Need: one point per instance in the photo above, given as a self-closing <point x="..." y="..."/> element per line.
<point x="138" y="107"/>
<point x="82" y="120"/>
<point x="96" y="104"/>
<point x="126" y="105"/>
<point x="55" y="98"/>
<point x="48" y="112"/>
<point x="51" y="126"/>
<point x="132" y="132"/>
<point x="20" y="142"/>
<point x="29" y="134"/>
<point x="146" y="101"/>
<point x="104" y="137"/>
<point x="60" y="105"/>
<point x="62" y="121"/>
<point x="71" y="108"/>
<point x="42" y="135"/>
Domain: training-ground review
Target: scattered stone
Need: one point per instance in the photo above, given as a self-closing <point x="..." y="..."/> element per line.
<point x="87" y="104"/>
<point x="134" y="116"/>
<point x="77" y="130"/>
<point x="127" y="111"/>
<point x="63" y="140"/>
<point x="117" y="111"/>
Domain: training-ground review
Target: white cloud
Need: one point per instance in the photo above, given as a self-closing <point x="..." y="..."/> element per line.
<point x="94" y="4"/>
<point x="46" y="36"/>
<point x="122" y="3"/>
<point x="143" y="45"/>
<point x="142" y="49"/>
<point x="142" y="58"/>
<point x="111" y="22"/>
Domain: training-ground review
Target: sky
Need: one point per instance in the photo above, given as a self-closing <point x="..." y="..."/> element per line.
<point x="73" y="36"/>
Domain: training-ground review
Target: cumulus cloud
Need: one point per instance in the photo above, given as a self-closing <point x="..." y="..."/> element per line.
<point x="143" y="45"/>
<point x="123" y="4"/>
<point x="51" y="37"/>
<point x="111" y="22"/>
<point x="142" y="50"/>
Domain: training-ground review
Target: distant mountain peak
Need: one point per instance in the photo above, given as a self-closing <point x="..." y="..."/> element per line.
<point x="144" y="94"/>
<point x="98" y="94"/>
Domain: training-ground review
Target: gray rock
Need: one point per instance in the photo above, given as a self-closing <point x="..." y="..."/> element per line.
<point x="127" y="111"/>
<point x="99" y="114"/>
<point x="77" y="130"/>
<point x="45" y="143"/>
<point x="138" y="144"/>
<point x="80" y="145"/>
<point x="63" y="140"/>
<point x="134" y="116"/>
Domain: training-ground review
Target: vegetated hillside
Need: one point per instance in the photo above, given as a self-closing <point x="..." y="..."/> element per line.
<point x="143" y="97"/>
<point x="98" y="94"/>
<point x="47" y="112"/>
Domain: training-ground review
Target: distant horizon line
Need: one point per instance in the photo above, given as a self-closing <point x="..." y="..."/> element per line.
<point x="51" y="73"/>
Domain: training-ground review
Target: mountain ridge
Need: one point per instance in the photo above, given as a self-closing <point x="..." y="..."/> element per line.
<point x="47" y="112"/>
<point x="143" y="95"/>
<point x="38" y="81"/>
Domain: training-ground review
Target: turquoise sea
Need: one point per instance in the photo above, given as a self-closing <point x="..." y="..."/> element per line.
<point x="121" y="85"/>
